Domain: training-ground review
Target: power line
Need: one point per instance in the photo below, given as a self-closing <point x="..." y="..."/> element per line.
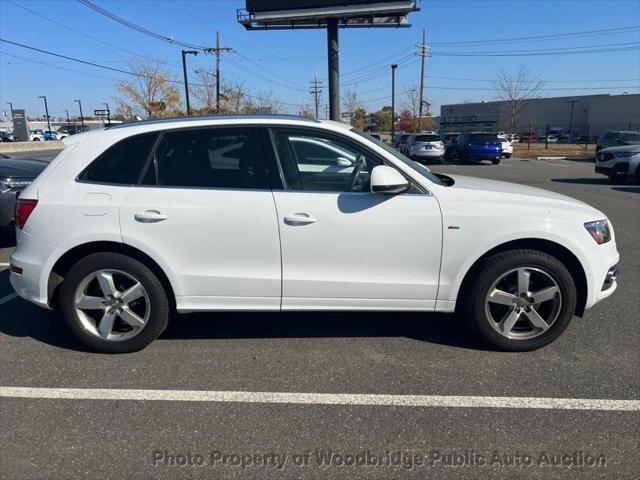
<point x="585" y="33"/>
<point x="89" y="36"/>
<point x="543" y="52"/>
<point x="138" y="28"/>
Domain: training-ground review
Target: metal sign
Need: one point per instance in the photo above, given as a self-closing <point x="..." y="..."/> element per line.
<point x="20" y="125"/>
<point x="101" y="113"/>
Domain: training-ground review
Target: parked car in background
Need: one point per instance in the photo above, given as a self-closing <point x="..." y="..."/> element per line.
<point x="475" y="147"/>
<point x="507" y="148"/>
<point x="425" y="147"/>
<point x="15" y="175"/>
<point x="619" y="163"/>
<point x="35" y="136"/>
<point x="402" y="143"/>
<point x="615" y="138"/>
<point x="6" y="137"/>
<point x="449" y="138"/>
<point x="71" y="129"/>
<point x="512" y="137"/>
<point x="375" y="135"/>
<point x="528" y="137"/>
<point x="548" y="139"/>
<point x="50" y="135"/>
<point x="115" y="242"/>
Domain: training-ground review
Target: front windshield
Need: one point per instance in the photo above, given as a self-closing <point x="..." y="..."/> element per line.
<point x="407" y="161"/>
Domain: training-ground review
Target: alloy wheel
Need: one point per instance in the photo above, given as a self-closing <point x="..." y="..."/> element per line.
<point x="112" y="305"/>
<point x="523" y="303"/>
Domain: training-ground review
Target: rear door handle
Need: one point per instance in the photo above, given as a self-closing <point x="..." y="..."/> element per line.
<point x="299" y="219"/>
<point x="150" y="216"/>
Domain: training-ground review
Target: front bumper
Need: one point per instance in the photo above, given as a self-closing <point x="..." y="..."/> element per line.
<point x="603" y="277"/>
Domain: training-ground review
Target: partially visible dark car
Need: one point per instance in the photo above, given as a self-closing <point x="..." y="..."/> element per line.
<point x="618" y="138"/>
<point x="449" y="138"/>
<point x="7" y="137"/>
<point x="475" y="147"/>
<point x="71" y="129"/>
<point x="15" y="175"/>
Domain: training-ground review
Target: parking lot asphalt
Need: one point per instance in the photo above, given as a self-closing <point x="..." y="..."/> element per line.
<point x="336" y="353"/>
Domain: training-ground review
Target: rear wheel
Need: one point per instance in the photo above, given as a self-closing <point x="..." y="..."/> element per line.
<point x="113" y="303"/>
<point x="520" y="300"/>
<point x="495" y="161"/>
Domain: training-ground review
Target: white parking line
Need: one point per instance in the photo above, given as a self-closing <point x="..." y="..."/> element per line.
<point x="445" y="401"/>
<point x="8" y="298"/>
<point x="2" y="264"/>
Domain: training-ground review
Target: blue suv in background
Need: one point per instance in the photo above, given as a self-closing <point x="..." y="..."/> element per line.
<point x="475" y="147"/>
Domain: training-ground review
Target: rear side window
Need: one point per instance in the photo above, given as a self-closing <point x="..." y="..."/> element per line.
<point x="483" y="137"/>
<point x="121" y="163"/>
<point x="427" y="138"/>
<point x="209" y="158"/>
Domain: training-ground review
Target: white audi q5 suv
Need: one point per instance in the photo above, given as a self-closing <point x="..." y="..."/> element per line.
<point x="133" y="222"/>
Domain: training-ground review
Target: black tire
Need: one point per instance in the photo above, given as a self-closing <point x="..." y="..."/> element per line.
<point x="158" y="300"/>
<point x="495" y="161"/>
<point x="617" y="177"/>
<point x="477" y="289"/>
<point x="637" y="175"/>
<point x="507" y="155"/>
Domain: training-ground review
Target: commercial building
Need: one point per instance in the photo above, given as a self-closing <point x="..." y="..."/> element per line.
<point x="585" y="115"/>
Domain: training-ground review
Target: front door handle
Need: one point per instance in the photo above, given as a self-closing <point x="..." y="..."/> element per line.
<point x="299" y="219"/>
<point x="150" y="216"/>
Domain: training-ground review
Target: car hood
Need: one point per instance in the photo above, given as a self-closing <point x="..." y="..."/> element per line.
<point x="21" y="167"/>
<point x="505" y="193"/>
<point x="633" y="148"/>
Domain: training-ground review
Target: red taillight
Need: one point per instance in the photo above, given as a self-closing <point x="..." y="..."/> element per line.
<point x="23" y="210"/>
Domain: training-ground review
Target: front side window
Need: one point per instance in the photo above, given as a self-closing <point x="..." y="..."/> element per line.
<point x="317" y="161"/>
<point x="208" y="158"/>
<point x="122" y="163"/>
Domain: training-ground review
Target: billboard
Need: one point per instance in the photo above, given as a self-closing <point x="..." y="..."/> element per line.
<point x="266" y="6"/>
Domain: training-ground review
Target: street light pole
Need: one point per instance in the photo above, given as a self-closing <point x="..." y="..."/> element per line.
<point x="11" y="107"/>
<point x="46" y="111"/>
<point x="108" y="113"/>
<point x="393" y="98"/>
<point x="186" y="81"/>
<point x="81" y="117"/>
<point x="68" y="122"/>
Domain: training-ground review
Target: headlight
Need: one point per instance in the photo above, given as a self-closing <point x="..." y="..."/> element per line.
<point x="599" y="230"/>
<point x="625" y="154"/>
<point x="13" y="184"/>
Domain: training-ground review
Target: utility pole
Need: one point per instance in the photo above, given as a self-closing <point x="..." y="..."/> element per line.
<point x="186" y="81"/>
<point x="108" y="113"/>
<point x="46" y="111"/>
<point x="423" y="53"/>
<point x="572" y="102"/>
<point x="326" y="112"/>
<point x="393" y="98"/>
<point x="316" y="90"/>
<point x="334" y="69"/>
<point x="81" y="117"/>
<point x="217" y="50"/>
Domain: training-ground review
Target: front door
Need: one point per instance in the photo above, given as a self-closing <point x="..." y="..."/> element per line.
<point x="205" y="211"/>
<point x="342" y="246"/>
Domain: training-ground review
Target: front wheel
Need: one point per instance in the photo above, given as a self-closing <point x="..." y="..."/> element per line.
<point x="113" y="303"/>
<point x="520" y="300"/>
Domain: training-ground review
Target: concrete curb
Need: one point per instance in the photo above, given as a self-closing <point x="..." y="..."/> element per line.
<point x="8" y="147"/>
<point x="551" y="158"/>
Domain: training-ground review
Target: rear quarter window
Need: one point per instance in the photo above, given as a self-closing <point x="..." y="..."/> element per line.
<point x="122" y="163"/>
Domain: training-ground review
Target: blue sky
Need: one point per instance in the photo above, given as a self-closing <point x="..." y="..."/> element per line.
<point x="285" y="61"/>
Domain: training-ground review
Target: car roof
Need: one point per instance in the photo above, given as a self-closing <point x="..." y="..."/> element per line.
<point x="182" y="121"/>
<point x="149" y="126"/>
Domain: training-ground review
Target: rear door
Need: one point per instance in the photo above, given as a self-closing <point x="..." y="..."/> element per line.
<point x="205" y="212"/>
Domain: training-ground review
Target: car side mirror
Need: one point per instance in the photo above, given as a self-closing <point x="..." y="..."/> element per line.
<point x="388" y="180"/>
<point x="343" y="162"/>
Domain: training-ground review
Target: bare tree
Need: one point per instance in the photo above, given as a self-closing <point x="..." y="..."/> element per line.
<point x="411" y="100"/>
<point x="517" y="88"/>
<point x="205" y="91"/>
<point x="350" y="101"/>
<point x="263" y="102"/>
<point x="153" y="93"/>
